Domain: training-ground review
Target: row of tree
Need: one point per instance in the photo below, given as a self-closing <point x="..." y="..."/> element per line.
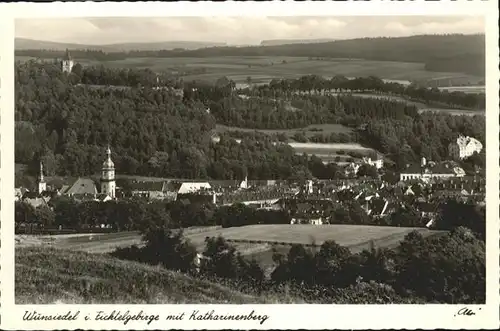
<point x="138" y="214"/>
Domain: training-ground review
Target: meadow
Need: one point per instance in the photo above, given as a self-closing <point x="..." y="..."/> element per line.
<point x="262" y="69"/>
<point x="253" y="240"/>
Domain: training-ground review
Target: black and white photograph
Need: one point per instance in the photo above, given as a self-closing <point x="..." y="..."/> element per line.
<point x="250" y="160"/>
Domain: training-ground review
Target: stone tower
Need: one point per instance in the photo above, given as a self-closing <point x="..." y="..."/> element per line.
<point x="42" y="185"/>
<point x="108" y="185"/>
<point x="67" y="62"/>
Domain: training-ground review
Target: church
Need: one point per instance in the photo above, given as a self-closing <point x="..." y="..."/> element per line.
<point x="67" y="62"/>
<point x="85" y="189"/>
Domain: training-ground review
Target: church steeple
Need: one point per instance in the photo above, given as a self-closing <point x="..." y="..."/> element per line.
<point x="108" y="185"/>
<point x="41" y="172"/>
<point x="42" y="186"/>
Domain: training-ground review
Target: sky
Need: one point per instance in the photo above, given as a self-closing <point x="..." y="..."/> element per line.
<point x="238" y="30"/>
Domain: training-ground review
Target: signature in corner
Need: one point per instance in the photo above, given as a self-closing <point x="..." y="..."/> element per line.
<point x="466" y="312"/>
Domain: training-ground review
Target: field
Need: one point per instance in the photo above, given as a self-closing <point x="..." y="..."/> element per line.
<point x="328" y="152"/>
<point x="263" y="69"/>
<point x="466" y="89"/>
<point x="51" y="276"/>
<point x="254" y="240"/>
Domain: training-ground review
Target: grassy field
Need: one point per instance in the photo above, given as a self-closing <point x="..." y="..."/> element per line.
<point x="263" y="69"/>
<point x="52" y="276"/>
<point x="328" y="152"/>
<point x="254" y="240"/>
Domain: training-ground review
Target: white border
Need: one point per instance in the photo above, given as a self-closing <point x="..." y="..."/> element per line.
<point x="280" y="316"/>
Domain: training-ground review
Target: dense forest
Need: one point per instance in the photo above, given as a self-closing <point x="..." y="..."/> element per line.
<point x="460" y="53"/>
<point x="157" y="132"/>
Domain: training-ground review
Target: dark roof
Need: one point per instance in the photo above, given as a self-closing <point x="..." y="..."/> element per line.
<point x="101" y="196"/>
<point x="438" y="168"/>
<point x="173" y="186"/>
<point x="146" y="186"/>
<point x="82" y="186"/>
<point x="30" y="195"/>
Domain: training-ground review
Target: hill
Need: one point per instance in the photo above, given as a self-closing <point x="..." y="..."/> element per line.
<point x="48" y="275"/>
<point x="55" y="276"/>
<point x="25" y="44"/>
<point x="275" y="42"/>
<point x="438" y="53"/>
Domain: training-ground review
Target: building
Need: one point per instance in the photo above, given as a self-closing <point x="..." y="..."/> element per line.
<point x="42" y="185"/>
<point x="431" y="170"/>
<point x="464" y="147"/>
<point x="82" y="187"/>
<point x="108" y="184"/>
<point x="377" y="163"/>
<point x="190" y="187"/>
<point x="67" y="62"/>
<point x="150" y="189"/>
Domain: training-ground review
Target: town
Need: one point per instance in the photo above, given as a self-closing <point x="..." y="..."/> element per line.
<point x="340" y="189"/>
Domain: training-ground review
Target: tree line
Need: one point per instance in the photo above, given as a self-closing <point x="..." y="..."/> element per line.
<point x="135" y="214"/>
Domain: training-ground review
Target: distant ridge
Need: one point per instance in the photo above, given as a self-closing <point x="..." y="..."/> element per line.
<point x="23" y="44"/>
<point x="277" y="42"/>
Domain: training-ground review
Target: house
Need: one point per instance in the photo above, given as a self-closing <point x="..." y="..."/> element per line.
<point x="148" y="189"/>
<point x="34" y="199"/>
<point x="102" y="197"/>
<point x="191" y="187"/>
<point x="351" y="169"/>
<point x="19" y="193"/>
<point x="377" y="163"/>
<point x="173" y="189"/>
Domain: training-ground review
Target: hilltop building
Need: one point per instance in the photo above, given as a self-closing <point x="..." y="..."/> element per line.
<point x="67" y="62"/>
<point x="464" y="147"/>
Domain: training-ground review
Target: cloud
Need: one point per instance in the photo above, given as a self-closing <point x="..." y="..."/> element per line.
<point x="237" y="30"/>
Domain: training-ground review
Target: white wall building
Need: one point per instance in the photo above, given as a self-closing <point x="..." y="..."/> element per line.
<point x="464" y="147"/>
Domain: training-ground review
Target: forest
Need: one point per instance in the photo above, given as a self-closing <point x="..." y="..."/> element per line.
<point x="156" y="132"/>
<point x="460" y="53"/>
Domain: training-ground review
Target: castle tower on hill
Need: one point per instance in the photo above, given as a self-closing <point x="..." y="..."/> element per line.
<point x="108" y="185"/>
<point x="67" y="62"/>
<point x="42" y="185"/>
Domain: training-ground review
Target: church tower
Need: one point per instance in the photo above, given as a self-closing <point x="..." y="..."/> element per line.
<point x="42" y="185"/>
<point x="108" y="185"/>
<point x="67" y="62"/>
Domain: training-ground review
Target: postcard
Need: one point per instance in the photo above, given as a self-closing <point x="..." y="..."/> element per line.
<point x="280" y="165"/>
